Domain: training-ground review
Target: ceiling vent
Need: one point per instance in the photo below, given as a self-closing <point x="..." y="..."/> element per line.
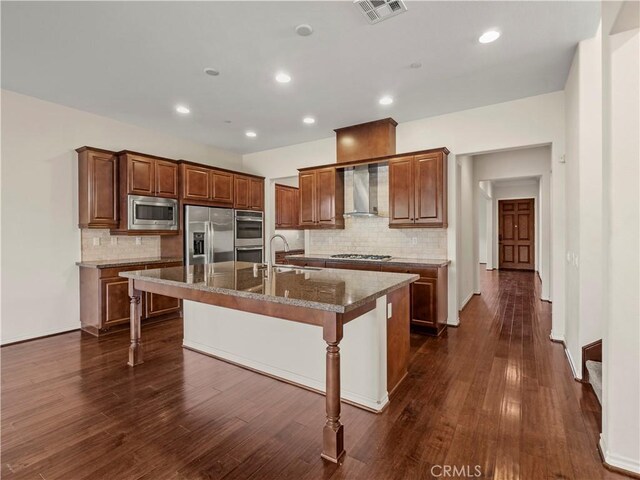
<point x="376" y="11"/>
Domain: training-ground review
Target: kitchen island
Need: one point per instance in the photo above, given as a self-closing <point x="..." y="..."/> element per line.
<point x="264" y="320"/>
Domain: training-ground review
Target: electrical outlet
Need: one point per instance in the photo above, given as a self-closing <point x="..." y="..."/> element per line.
<point x="96" y="241"/>
<point x="389" y="310"/>
<point x="138" y="240"/>
<point x="114" y="240"/>
<point x="414" y="241"/>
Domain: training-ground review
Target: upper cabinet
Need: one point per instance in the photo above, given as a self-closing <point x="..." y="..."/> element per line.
<point x="97" y="188"/>
<point x="287" y="206"/>
<point x="195" y="183"/>
<point x="149" y="176"/>
<point x="248" y="192"/>
<point x="321" y="198"/>
<point x="418" y="190"/>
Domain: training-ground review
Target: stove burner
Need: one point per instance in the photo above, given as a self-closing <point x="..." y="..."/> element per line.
<point x="359" y="256"/>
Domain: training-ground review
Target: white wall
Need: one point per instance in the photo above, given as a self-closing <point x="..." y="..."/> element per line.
<point x="620" y="439"/>
<point x="467" y="205"/>
<point x="529" y="121"/>
<point x="40" y="235"/>
<point x="482" y="230"/>
<point x="514" y="164"/>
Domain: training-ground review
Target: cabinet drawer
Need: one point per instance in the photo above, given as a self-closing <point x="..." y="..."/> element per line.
<point x="371" y="267"/>
<point x="424" y="272"/>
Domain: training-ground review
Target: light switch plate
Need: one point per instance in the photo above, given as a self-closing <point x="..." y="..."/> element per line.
<point x="96" y="241"/>
<point x="414" y="240"/>
<point x="138" y="240"/>
<point x="389" y="310"/>
<point x="114" y="240"/>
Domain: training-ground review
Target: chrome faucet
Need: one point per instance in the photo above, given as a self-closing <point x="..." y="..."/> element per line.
<point x="270" y="262"/>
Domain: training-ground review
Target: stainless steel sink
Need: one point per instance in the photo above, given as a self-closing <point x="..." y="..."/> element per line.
<point x="293" y="268"/>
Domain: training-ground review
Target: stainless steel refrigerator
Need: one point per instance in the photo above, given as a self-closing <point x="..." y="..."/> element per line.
<point x="209" y="235"/>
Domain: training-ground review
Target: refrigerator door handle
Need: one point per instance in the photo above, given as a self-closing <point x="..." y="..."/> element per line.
<point x="211" y="242"/>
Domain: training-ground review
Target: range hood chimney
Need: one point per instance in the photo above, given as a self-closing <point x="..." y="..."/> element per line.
<point x="365" y="191"/>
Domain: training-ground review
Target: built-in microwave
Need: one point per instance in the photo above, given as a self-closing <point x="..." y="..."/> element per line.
<point x="152" y="213"/>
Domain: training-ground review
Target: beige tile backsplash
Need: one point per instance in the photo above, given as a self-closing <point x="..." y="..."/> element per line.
<point x="372" y="235"/>
<point x="116" y="247"/>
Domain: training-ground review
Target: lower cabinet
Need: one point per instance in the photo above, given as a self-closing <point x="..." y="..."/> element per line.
<point x="104" y="299"/>
<point x="428" y="293"/>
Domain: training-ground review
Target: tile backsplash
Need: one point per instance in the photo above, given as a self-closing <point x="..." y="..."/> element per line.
<point x="98" y="244"/>
<point x="372" y="235"/>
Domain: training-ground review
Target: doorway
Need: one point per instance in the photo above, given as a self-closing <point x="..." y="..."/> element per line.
<point x="516" y="234"/>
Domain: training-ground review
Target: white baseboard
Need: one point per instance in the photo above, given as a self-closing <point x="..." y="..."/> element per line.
<point x="619" y="461"/>
<point x="368" y="403"/>
<point x="43" y="333"/>
<point x="455" y="323"/>
<point x="572" y="364"/>
<point x="465" y="301"/>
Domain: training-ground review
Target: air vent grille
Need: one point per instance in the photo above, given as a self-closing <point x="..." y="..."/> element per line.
<point x="377" y="10"/>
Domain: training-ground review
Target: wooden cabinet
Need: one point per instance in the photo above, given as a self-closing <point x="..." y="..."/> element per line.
<point x="97" y="188"/>
<point x="287" y="207"/>
<point x="148" y="175"/>
<point x="418" y="190"/>
<point x="195" y="183"/>
<point x="104" y="299"/>
<point x="300" y="262"/>
<point x="281" y="256"/>
<point x="371" y="267"/>
<point x="321" y="198"/>
<point x="249" y="193"/>
<point x="221" y="186"/>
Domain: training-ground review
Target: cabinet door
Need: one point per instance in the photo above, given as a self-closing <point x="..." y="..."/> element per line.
<point x="166" y="179"/>
<point x="429" y="189"/>
<point x="423" y="302"/>
<point x="221" y="186"/>
<point x="401" y="191"/>
<point x="307" y="185"/>
<point x="102" y="190"/>
<point x="160" y="305"/>
<point x="141" y="175"/>
<point x="326" y="197"/>
<point x="256" y="194"/>
<point x="370" y="267"/>
<point x="241" y="192"/>
<point x="115" y="301"/>
<point x="195" y="183"/>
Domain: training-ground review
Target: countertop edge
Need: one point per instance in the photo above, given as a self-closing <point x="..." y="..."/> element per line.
<point x="404" y="261"/>
<point x="126" y="263"/>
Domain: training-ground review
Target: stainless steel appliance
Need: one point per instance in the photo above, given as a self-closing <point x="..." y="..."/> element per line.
<point x="249" y="228"/>
<point x="208" y="235"/>
<point x="249" y="236"/>
<point x="152" y="213"/>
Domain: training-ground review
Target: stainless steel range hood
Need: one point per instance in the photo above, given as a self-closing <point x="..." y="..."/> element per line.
<point x="365" y="191"/>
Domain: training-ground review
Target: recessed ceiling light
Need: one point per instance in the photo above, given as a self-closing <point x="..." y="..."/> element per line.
<point x="490" y="36"/>
<point x="304" y="30"/>
<point x="309" y="120"/>
<point x="251" y="133"/>
<point x="386" y="100"/>
<point x="283" y="78"/>
<point x="211" y="71"/>
<point x="416" y="65"/>
<point x="182" y="109"/>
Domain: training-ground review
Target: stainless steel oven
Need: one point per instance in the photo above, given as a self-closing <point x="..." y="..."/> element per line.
<point x="249" y="228"/>
<point x="249" y="254"/>
<point x="152" y="213"/>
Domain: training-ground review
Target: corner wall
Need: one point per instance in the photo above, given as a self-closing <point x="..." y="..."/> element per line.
<point x="40" y="234"/>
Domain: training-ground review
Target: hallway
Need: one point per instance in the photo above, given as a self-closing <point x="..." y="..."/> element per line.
<point x="494" y="393"/>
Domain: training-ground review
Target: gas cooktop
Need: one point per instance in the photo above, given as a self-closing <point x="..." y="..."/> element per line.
<point x="358" y="256"/>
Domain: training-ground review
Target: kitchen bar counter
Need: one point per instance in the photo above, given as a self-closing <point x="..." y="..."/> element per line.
<point x="127" y="262"/>
<point x="290" y="324"/>
<point x="399" y="261"/>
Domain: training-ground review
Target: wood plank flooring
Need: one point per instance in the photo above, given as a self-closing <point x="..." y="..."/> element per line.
<point x="493" y="393"/>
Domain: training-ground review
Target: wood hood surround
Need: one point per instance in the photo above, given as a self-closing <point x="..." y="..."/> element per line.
<point x="366" y="140"/>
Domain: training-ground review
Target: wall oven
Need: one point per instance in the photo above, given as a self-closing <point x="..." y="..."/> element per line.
<point x="249" y="254"/>
<point x="152" y="213"/>
<point x="249" y="228"/>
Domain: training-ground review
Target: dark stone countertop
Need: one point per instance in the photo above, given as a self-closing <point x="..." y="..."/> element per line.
<point x="399" y="261"/>
<point x="127" y="262"/>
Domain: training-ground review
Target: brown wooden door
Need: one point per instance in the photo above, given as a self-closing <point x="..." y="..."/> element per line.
<point x="241" y="192"/>
<point x="221" y="186"/>
<point x="516" y="235"/>
<point x="115" y="300"/>
<point x="307" y="182"/>
<point x="429" y="189"/>
<point x="195" y="183"/>
<point x="141" y="172"/>
<point x="401" y="191"/>
<point x="103" y="189"/>
<point x="166" y="182"/>
<point x="326" y="196"/>
<point x="256" y="194"/>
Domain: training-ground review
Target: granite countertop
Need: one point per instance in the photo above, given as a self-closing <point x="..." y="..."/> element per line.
<point x="127" y="262"/>
<point x="419" y="262"/>
<point x="328" y="289"/>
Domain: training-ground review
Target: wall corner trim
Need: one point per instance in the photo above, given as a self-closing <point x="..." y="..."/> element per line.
<point x="618" y="463"/>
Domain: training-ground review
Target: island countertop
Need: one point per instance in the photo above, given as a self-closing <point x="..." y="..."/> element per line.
<point x="332" y="290"/>
<point x="395" y="261"/>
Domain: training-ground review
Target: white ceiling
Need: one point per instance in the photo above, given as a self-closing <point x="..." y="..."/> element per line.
<point x="135" y="61"/>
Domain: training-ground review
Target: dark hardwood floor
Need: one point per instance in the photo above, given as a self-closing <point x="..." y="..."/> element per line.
<point x="495" y="392"/>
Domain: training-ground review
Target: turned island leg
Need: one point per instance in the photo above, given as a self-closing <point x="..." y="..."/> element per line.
<point x="135" y="348"/>
<point x="333" y="432"/>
